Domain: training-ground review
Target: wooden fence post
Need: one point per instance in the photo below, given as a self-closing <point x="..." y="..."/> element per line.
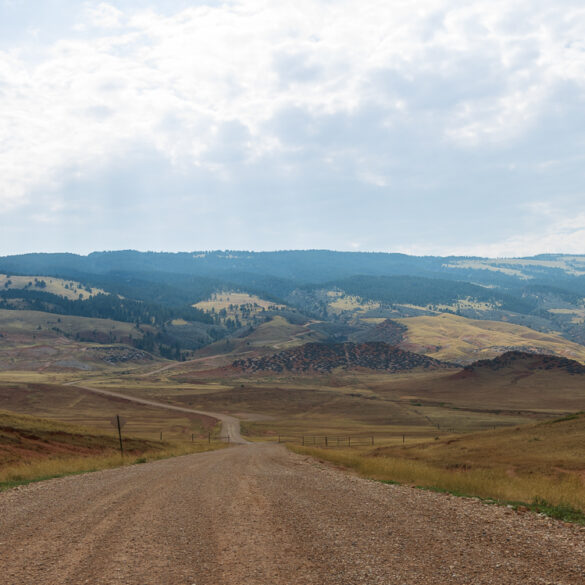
<point x="120" y="435"/>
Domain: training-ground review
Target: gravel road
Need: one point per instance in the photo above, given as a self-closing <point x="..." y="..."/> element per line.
<point x="256" y="515"/>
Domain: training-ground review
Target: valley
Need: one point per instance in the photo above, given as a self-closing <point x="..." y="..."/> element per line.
<point x="409" y="379"/>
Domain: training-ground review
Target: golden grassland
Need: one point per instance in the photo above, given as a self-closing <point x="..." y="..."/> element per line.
<point x="453" y="338"/>
<point x="40" y="323"/>
<point x="420" y="403"/>
<point x="341" y="303"/>
<point x="542" y="462"/>
<point x="424" y="406"/>
<point x="70" y="289"/>
<point x="279" y="333"/>
<point x="33" y="448"/>
<point x="274" y="335"/>
<point x="73" y="405"/>
<point x="242" y="306"/>
<point x="354" y="402"/>
<point x="578" y="315"/>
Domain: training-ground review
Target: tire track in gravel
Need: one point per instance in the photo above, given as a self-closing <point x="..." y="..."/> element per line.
<point x="259" y="515"/>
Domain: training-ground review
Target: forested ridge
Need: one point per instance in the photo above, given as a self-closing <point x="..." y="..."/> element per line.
<point x="161" y="289"/>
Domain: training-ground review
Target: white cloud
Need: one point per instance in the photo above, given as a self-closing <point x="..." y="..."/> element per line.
<point x="565" y="235"/>
<point x="204" y="86"/>
<point x="104" y="15"/>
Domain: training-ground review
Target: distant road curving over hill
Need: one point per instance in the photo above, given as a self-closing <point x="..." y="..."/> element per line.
<point x="230" y="425"/>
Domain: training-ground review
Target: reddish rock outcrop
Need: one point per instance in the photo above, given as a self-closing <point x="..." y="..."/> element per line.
<point x="322" y="358"/>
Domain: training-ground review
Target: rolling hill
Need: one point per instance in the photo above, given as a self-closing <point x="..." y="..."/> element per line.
<point x="179" y="301"/>
<point x="457" y="339"/>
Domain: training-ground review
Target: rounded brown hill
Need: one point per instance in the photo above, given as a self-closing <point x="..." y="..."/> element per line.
<point x="515" y="360"/>
<point x="325" y="357"/>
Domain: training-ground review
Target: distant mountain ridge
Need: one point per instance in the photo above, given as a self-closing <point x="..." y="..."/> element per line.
<point x="325" y="357"/>
<point x="301" y="265"/>
<point x="346" y="292"/>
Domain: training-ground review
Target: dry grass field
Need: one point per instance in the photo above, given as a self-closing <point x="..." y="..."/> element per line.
<point x="236" y="305"/>
<point x="341" y="303"/>
<point x="577" y="315"/>
<point x="74" y="405"/>
<point x="35" y="341"/>
<point x="456" y="425"/>
<point x="539" y="463"/>
<point x="38" y="324"/>
<point x="269" y="337"/>
<point x="453" y="338"/>
<point x="33" y="448"/>
<point x="65" y="288"/>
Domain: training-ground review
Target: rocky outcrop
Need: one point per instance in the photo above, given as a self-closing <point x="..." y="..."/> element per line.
<point x="119" y="354"/>
<point x="323" y="358"/>
<point x="525" y="360"/>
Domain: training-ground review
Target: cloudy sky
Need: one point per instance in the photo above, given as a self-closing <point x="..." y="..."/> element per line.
<point x="420" y="126"/>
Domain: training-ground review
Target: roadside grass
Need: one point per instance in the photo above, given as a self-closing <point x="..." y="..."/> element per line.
<point x="34" y="449"/>
<point x="40" y="470"/>
<point x="505" y="466"/>
<point x="561" y="497"/>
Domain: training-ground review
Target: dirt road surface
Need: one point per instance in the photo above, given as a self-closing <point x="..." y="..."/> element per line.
<point x="258" y="515"/>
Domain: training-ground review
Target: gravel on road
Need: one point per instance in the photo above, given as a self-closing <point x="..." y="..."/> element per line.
<point x="259" y="515"/>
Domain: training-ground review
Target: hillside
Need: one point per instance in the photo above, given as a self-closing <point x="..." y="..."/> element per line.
<point x="457" y="339"/>
<point x="556" y="448"/>
<point x="38" y="341"/>
<point x="26" y="438"/>
<point x="240" y="308"/>
<point x="388" y="331"/>
<point x="193" y="300"/>
<point x="321" y="358"/>
<point x="518" y="382"/>
<point x="530" y="362"/>
<point x="70" y="289"/>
